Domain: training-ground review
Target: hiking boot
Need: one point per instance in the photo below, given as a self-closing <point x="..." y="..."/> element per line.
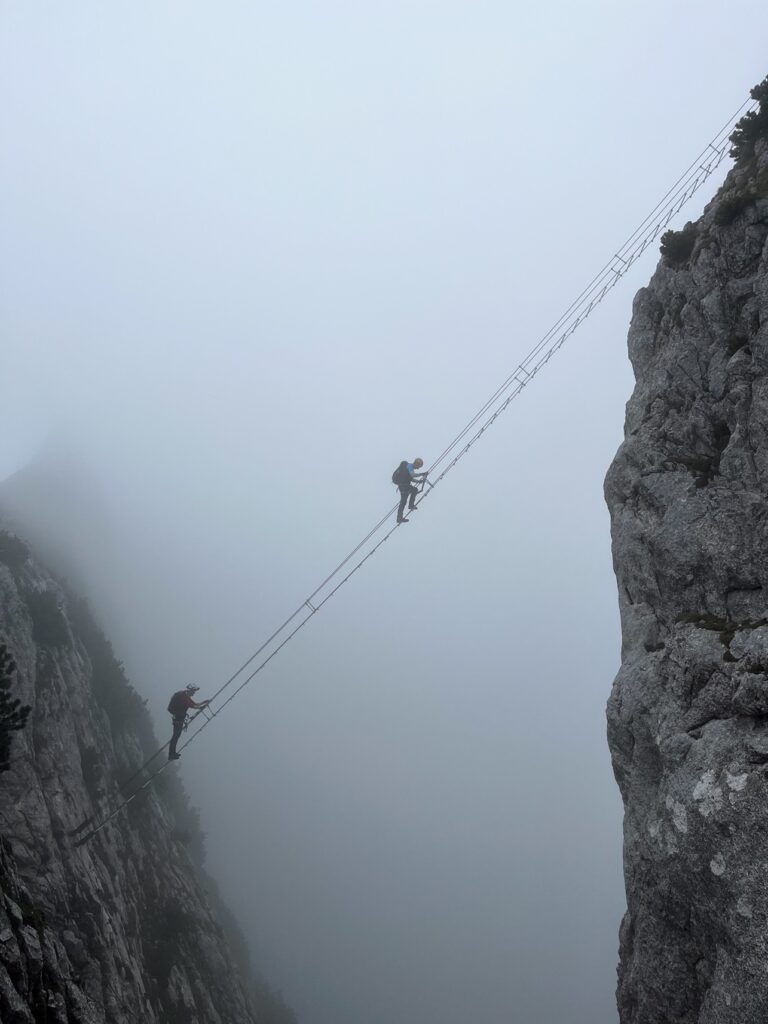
<point x="403" y="520"/>
<point x="174" y="757"/>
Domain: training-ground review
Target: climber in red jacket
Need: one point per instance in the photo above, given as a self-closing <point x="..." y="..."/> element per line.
<point x="180" y="704"/>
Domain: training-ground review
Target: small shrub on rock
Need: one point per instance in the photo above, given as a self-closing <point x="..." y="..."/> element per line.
<point x="677" y="246"/>
<point x="752" y="127"/>
<point x="732" y="207"/>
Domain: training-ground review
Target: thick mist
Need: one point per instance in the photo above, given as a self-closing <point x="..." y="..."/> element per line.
<point x="251" y="257"/>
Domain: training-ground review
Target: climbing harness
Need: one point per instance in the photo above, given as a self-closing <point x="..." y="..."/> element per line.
<point x="604" y="281"/>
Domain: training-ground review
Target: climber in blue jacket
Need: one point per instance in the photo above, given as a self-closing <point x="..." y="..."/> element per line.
<point x="403" y="478"/>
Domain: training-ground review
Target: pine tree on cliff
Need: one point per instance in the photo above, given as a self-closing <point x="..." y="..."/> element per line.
<point x="13" y="716"/>
<point x="753" y="126"/>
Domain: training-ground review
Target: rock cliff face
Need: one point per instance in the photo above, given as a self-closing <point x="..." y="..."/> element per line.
<point x="120" y="929"/>
<point x="688" y="715"/>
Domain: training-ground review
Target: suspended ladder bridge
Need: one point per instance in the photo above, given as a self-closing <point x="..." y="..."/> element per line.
<point x="705" y="164"/>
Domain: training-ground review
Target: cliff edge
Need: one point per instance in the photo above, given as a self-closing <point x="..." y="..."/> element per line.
<point x="688" y="714"/>
<point x="126" y="928"/>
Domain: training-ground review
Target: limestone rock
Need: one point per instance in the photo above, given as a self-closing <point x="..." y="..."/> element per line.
<point x="688" y="715"/>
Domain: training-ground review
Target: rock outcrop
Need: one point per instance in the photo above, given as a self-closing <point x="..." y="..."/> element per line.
<point x="688" y="715"/>
<point x="120" y="929"/>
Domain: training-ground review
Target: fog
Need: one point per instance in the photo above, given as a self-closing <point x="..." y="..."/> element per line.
<point x="251" y="257"/>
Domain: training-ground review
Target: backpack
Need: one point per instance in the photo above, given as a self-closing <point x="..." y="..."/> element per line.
<point x="401" y="476"/>
<point x="178" y="705"/>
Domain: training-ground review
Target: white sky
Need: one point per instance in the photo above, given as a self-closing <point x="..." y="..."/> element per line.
<point x="252" y="256"/>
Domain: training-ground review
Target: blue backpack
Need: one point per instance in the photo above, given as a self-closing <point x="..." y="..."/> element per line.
<point x="401" y="476"/>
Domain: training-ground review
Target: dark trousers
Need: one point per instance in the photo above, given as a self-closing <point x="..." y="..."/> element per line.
<point x="178" y="727"/>
<point x="406" y="491"/>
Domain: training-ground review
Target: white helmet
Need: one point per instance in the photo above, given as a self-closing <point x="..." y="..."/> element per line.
<point x="192" y="689"/>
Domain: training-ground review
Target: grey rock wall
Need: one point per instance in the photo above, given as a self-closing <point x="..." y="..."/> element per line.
<point x="118" y="930"/>
<point x="688" y="714"/>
